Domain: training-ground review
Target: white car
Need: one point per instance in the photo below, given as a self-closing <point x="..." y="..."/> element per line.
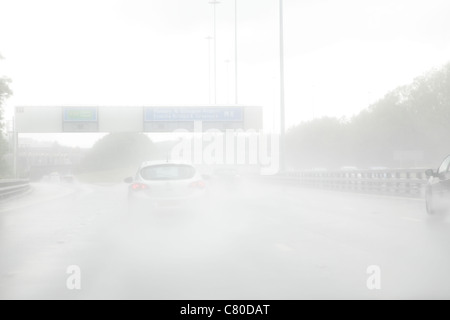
<point x="166" y="185"/>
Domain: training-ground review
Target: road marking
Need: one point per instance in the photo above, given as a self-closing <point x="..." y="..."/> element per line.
<point x="412" y="219"/>
<point x="391" y="197"/>
<point x="362" y="194"/>
<point x="37" y="202"/>
<point x="283" y="247"/>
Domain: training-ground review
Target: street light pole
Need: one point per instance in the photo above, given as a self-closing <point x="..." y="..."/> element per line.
<point x="15" y="149"/>
<point x="214" y="3"/>
<point x="209" y="38"/>
<point x="282" y="102"/>
<point x="227" y="63"/>
<point x="236" y="99"/>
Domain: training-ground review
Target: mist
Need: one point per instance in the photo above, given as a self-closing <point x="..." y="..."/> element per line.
<point x="198" y="151"/>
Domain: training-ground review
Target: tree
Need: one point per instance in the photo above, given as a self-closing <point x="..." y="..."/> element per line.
<point x="414" y="117"/>
<point x="118" y="151"/>
<point x="5" y="90"/>
<point x="5" y="93"/>
<point x="318" y="143"/>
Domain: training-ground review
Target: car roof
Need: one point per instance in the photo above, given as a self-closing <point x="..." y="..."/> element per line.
<point x="161" y="162"/>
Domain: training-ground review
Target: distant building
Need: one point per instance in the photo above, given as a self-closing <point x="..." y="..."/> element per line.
<point x="39" y="158"/>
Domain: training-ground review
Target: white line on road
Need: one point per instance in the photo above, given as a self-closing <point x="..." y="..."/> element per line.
<point x="283" y="247"/>
<point x="412" y="219"/>
<point x="38" y="202"/>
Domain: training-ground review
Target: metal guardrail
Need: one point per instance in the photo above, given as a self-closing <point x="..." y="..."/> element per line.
<point x="13" y="188"/>
<point x="400" y="182"/>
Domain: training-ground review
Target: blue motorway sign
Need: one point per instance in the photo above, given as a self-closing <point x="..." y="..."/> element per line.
<point x="80" y="114"/>
<point x="179" y="114"/>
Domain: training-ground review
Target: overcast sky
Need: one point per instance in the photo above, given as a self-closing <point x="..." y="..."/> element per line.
<point x="340" y="54"/>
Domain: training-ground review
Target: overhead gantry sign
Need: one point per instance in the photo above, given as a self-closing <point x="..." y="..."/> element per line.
<point x="39" y="119"/>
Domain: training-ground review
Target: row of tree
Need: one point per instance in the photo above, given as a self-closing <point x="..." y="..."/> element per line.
<point x="410" y="127"/>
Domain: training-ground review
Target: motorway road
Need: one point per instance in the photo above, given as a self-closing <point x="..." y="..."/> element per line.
<point x="254" y="242"/>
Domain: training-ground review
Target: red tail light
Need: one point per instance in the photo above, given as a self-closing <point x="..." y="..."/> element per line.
<point x="198" y="184"/>
<point x="139" y="186"/>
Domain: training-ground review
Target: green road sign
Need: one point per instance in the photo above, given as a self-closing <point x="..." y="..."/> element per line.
<point x="80" y="114"/>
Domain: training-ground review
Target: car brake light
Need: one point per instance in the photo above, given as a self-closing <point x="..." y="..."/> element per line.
<point x="139" y="186"/>
<point x="198" y="184"/>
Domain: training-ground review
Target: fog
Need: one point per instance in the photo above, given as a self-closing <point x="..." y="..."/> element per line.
<point x="196" y="151"/>
<point x="257" y="241"/>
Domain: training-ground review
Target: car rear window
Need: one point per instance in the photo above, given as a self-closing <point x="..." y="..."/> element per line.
<point x="168" y="172"/>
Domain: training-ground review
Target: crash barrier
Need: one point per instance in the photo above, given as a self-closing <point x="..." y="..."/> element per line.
<point x="13" y="188"/>
<point x="396" y="182"/>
